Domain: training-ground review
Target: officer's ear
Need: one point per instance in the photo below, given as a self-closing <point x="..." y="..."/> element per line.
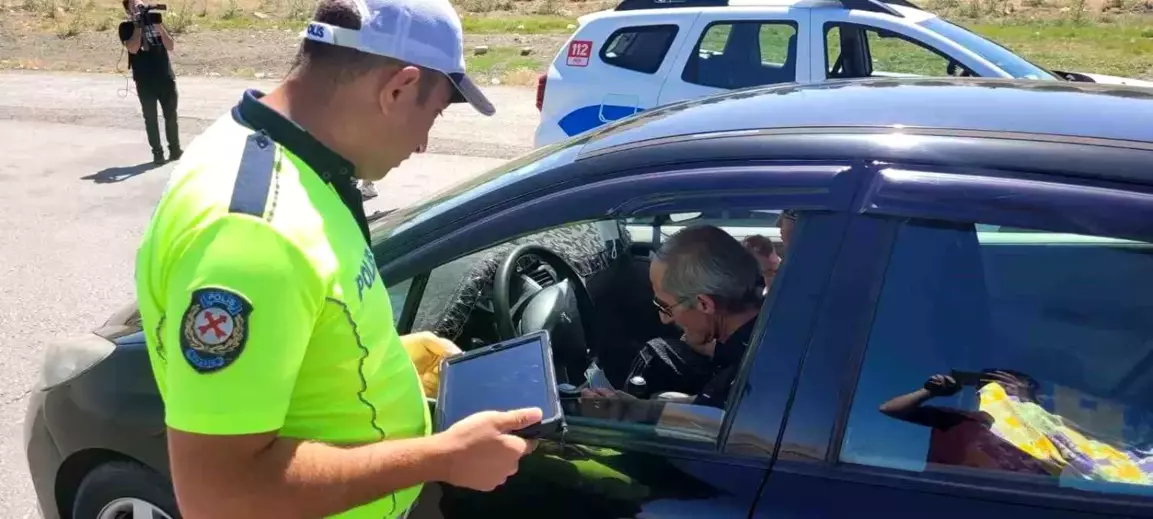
<point x="400" y="89"/>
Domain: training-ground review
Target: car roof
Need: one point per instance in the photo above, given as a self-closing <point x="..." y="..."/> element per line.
<point x="1080" y="129"/>
<point x="640" y="8"/>
<point x="1072" y="110"/>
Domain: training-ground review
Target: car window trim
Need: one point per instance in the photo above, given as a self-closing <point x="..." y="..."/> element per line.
<point x="412" y="303"/>
<point x="825" y="186"/>
<point x="818" y="260"/>
<point x="1005" y="491"/>
<point x="842" y="326"/>
<point x="695" y="55"/>
<point x="1012" y="199"/>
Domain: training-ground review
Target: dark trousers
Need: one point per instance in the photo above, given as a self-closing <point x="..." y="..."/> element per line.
<point x="162" y="92"/>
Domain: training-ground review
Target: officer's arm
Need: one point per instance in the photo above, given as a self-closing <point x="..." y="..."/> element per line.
<point x="243" y="302"/>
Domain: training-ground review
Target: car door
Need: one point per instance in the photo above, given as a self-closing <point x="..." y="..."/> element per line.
<point x="994" y="278"/>
<point x="859" y="44"/>
<point x="716" y="467"/>
<point x="739" y="47"/>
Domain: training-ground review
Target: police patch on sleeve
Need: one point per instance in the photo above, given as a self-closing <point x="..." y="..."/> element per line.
<point x="214" y="329"/>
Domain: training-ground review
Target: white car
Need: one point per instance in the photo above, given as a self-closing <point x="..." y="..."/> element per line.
<point x="648" y="53"/>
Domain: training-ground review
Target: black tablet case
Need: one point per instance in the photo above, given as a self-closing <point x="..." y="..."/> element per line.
<point x="553" y="421"/>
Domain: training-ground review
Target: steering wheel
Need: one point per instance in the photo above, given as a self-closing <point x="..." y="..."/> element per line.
<point x="557" y="308"/>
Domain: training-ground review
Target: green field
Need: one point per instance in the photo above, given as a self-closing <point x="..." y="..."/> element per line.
<point x="1122" y="48"/>
<point x="1114" y="37"/>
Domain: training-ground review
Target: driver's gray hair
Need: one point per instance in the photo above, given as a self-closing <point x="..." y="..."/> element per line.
<point x="705" y="260"/>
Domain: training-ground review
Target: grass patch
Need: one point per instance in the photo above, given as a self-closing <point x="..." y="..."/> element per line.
<point x="245" y="22"/>
<point x="505" y="64"/>
<point x="1103" y="36"/>
<point x="238" y="19"/>
<point x="1123" y="48"/>
<point x="543" y="24"/>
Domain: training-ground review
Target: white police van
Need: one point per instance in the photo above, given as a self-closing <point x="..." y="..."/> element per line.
<point x="647" y="53"/>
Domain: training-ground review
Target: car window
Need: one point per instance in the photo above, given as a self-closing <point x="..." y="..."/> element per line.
<point x="1003" y="58"/>
<point x="686" y="386"/>
<point x="641" y="49"/>
<point x="895" y="55"/>
<point x="834" y="66"/>
<point x="734" y="55"/>
<point x="1010" y="356"/>
<point x="889" y="54"/>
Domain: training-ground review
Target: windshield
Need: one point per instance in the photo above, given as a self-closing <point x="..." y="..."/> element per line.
<point x="1003" y="58"/>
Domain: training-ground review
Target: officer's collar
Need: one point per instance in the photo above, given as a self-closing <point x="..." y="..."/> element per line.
<point x="329" y="165"/>
<point x="253" y="113"/>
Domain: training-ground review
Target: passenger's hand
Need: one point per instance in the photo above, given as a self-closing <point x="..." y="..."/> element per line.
<point x="942" y="385"/>
<point x="427" y="351"/>
<point x="482" y="453"/>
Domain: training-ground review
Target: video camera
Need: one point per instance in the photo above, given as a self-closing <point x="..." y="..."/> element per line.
<point x="149" y="14"/>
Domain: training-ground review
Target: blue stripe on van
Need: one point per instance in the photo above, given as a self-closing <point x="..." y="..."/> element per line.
<point x="589" y="117"/>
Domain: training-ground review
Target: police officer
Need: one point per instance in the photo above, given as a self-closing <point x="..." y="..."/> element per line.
<point x="287" y="391"/>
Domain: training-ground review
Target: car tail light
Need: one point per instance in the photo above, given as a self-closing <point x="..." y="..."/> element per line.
<point x="540" y="83"/>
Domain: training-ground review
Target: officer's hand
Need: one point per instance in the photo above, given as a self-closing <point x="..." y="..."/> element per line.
<point x="426" y="351"/>
<point x="482" y="453"/>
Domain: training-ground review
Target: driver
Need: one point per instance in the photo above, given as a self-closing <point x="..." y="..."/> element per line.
<point x="706" y="283"/>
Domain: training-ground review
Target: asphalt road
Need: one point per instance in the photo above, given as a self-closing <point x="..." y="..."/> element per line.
<point x="76" y="191"/>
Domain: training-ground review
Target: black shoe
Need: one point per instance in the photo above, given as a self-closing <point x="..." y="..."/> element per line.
<point x="158" y="157"/>
<point x="175" y="154"/>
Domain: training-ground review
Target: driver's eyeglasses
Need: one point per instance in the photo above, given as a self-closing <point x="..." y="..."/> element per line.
<point x="667" y="309"/>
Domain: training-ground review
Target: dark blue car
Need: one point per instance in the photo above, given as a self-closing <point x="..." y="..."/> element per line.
<point x="961" y="326"/>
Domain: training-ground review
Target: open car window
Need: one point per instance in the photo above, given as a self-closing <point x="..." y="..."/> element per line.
<point x="613" y="260"/>
<point x="740" y="224"/>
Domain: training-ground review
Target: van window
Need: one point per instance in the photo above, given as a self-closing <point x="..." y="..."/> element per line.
<point x="734" y="55"/>
<point x="641" y="49"/>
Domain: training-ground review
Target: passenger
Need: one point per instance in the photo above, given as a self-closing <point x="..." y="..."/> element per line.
<point x="769" y="255"/>
<point x="705" y="282"/>
<point x="765" y="251"/>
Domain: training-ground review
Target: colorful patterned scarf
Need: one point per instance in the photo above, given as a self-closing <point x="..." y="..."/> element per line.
<point x="1047" y="438"/>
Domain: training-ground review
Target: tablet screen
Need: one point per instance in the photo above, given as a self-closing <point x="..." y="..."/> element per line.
<point x="507" y="379"/>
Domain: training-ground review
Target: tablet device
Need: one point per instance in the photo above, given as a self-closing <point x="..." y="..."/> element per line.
<point x="505" y="376"/>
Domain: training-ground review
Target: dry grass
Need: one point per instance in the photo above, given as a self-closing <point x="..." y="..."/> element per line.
<point x="206" y="11"/>
<point x="1107" y="36"/>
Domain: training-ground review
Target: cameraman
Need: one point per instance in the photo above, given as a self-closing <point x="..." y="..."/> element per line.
<point x="148" y="44"/>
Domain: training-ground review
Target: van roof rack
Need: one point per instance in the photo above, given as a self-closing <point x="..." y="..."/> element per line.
<point x="633" y="5"/>
<point x="880" y="6"/>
